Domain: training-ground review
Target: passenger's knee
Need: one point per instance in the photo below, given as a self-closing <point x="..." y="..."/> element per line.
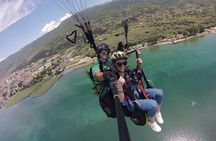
<point x="160" y="92"/>
<point x="159" y="96"/>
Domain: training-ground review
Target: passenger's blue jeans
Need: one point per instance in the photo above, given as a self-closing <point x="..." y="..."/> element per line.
<point x="147" y="105"/>
<point x="156" y="94"/>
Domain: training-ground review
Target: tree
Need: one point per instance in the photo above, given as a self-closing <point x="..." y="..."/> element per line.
<point x="201" y="28"/>
<point x="192" y="31"/>
<point x="20" y="84"/>
<point x="152" y="39"/>
<point x="185" y="33"/>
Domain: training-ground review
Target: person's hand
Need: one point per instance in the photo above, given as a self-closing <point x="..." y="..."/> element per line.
<point x="139" y="61"/>
<point x="120" y="84"/>
<point x="108" y="76"/>
<point x="121" y="81"/>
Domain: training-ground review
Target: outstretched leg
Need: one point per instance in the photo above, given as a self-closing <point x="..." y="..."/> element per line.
<point x="156" y="94"/>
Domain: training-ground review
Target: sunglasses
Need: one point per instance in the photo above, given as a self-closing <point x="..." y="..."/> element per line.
<point x="121" y="63"/>
<point x="104" y="52"/>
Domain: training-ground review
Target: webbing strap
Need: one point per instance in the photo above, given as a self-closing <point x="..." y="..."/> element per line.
<point x="142" y="89"/>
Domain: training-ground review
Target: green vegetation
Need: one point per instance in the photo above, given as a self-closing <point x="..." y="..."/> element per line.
<point x="46" y="72"/>
<point x="154" y="21"/>
<point x="35" y="90"/>
<point x="22" y="94"/>
<point x="45" y="87"/>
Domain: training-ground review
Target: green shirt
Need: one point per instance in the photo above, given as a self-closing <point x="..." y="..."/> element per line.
<point x="96" y="66"/>
<point x="103" y="89"/>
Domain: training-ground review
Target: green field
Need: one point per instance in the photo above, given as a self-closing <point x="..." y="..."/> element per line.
<point x="45" y="86"/>
<point x="38" y="89"/>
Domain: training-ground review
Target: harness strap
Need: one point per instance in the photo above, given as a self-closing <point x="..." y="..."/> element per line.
<point x="101" y="66"/>
<point x="142" y="89"/>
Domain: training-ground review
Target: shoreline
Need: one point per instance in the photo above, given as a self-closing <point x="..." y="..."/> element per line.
<point x="141" y="46"/>
<point x="78" y="65"/>
<point x="176" y="40"/>
<point x="37" y="90"/>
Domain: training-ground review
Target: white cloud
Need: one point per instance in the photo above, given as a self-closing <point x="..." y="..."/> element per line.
<point x="1" y="60"/>
<point x="66" y="16"/>
<point x="50" y="26"/>
<point x="54" y="24"/>
<point x="13" y="10"/>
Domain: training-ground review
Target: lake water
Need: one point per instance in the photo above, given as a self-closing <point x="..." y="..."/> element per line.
<point x="69" y="112"/>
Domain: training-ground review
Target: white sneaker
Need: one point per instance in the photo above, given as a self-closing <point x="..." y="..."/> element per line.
<point x="159" y="118"/>
<point x="154" y="126"/>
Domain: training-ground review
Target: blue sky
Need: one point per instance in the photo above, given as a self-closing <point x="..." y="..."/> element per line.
<point x="22" y="21"/>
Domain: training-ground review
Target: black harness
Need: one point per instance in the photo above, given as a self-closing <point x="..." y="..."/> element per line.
<point x="107" y="103"/>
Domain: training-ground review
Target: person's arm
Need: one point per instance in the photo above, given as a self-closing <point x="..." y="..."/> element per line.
<point x="98" y="75"/>
<point x="139" y="61"/>
<point x="139" y="64"/>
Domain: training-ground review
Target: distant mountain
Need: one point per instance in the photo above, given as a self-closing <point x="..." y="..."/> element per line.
<point x="54" y="41"/>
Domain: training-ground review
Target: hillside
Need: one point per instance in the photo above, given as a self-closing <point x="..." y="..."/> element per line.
<point x="149" y="18"/>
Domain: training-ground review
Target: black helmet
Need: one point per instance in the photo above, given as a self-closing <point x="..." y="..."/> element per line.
<point x="102" y="47"/>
